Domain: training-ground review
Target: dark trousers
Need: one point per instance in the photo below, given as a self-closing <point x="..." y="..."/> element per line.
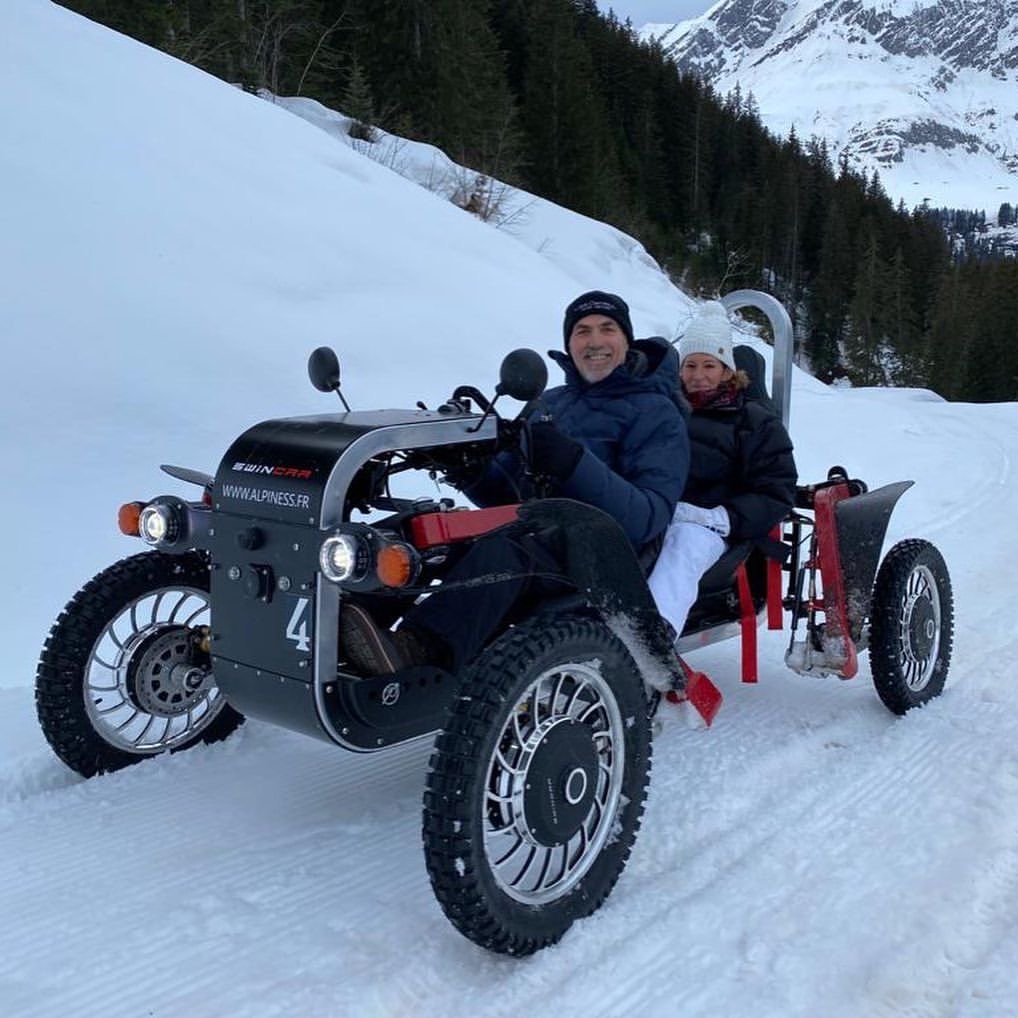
<point x="494" y="581"/>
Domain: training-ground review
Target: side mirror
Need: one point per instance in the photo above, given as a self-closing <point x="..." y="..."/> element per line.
<point x="523" y="375"/>
<point x="323" y="369"/>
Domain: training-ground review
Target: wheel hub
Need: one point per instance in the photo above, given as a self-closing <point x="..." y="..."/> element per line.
<point x="163" y="677"/>
<point x="922" y="628"/>
<point x="559" y="780"/>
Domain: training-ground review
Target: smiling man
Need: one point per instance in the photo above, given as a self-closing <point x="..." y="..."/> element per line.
<point x="613" y="436"/>
<point x="598" y="334"/>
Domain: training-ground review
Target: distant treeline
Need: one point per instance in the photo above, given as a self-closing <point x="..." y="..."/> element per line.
<point x="564" y="101"/>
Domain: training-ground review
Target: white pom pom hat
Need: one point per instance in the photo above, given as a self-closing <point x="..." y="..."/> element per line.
<point x="709" y="333"/>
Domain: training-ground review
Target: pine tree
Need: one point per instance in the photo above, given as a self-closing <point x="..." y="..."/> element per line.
<point x="867" y="355"/>
<point x="358" y="104"/>
<point x="397" y="44"/>
<point x="154" y="22"/>
<point x="904" y="334"/>
<point x="572" y="159"/>
<point x="992" y="363"/>
<point x="948" y="340"/>
<point x="476" y="118"/>
<point x="831" y="294"/>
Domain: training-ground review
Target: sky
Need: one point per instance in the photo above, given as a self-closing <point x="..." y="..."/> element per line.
<point x="175" y="250"/>
<point x="643" y="12"/>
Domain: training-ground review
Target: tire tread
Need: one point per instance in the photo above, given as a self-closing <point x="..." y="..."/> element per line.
<point x="454" y="767"/>
<point x="884" y="649"/>
<point x="59" y="696"/>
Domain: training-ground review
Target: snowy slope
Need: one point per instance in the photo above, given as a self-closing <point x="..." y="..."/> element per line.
<point x="172" y="251"/>
<point x="925" y="92"/>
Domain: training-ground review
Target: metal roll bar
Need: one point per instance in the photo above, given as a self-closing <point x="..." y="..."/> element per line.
<point x="781" y="326"/>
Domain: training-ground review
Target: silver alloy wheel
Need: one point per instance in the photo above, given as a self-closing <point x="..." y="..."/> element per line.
<point x="573" y="708"/>
<point x="143" y="691"/>
<point x="920" y="625"/>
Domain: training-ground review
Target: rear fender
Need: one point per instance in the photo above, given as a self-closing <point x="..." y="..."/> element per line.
<point x="861" y="523"/>
<point x="850" y="531"/>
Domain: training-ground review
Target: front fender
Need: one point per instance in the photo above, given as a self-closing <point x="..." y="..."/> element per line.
<point x="598" y="558"/>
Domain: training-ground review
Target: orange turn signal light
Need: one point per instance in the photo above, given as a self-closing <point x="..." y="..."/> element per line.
<point x="127" y="518"/>
<point x="395" y="565"/>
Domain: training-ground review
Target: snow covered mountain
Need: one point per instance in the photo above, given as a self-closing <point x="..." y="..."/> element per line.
<point x="925" y="91"/>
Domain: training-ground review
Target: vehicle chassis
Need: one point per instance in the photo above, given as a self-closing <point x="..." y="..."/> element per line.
<point x="234" y="613"/>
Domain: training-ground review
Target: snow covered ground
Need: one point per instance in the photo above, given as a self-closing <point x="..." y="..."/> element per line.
<point x="171" y="251"/>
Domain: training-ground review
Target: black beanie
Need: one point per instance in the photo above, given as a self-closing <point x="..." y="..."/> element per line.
<point x="597" y="302"/>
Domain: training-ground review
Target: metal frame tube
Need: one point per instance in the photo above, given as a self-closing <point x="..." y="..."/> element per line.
<point x="781" y="326"/>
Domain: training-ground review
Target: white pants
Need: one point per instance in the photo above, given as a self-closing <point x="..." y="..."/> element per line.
<point x="689" y="550"/>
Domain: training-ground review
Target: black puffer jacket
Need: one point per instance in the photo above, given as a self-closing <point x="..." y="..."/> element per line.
<point x="741" y="459"/>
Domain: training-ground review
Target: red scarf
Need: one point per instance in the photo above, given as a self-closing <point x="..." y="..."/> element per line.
<point x="724" y="395"/>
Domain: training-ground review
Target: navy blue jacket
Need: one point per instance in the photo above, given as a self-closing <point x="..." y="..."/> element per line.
<point x="632" y="428"/>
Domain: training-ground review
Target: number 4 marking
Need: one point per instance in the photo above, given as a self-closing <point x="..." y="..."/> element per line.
<point x="297" y="627"/>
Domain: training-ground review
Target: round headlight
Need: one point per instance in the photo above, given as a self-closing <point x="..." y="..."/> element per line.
<point x="339" y="557"/>
<point x="157" y="524"/>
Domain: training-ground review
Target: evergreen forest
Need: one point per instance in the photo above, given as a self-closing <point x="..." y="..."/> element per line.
<point x="560" y="98"/>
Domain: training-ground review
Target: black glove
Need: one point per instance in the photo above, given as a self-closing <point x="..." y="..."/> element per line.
<point x="552" y="453"/>
<point x="457" y="467"/>
<point x="463" y="473"/>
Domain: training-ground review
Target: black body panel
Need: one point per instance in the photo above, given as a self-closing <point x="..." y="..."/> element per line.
<point x="284" y="469"/>
<point x="377" y="712"/>
<point x="283" y="701"/>
<point x="862" y="524"/>
<point x="263" y="596"/>
<point x="279" y="490"/>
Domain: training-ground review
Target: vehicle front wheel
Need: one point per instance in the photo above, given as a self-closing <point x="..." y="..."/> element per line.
<point x="125" y="673"/>
<point x="537" y="784"/>
<point x="911" y="626"/>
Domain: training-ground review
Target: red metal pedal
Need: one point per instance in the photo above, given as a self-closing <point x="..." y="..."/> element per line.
<point x="702" y="694"/>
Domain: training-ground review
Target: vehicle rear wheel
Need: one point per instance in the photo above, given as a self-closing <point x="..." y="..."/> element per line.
<point x="125" y="673"/>
<point x="911" y="626"/>
<point x="537" y="784"/>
